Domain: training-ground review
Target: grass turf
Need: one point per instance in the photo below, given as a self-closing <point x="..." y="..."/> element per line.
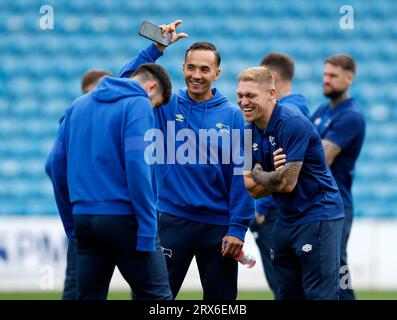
<point x="188" y="295"/>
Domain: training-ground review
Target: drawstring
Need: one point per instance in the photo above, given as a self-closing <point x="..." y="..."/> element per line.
<point x="204" y="118"/>
<point x="188" y="115"/>
<point x="205" y="115"/>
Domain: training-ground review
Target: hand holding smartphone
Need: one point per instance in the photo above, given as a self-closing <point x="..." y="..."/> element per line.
<point x="154" y="33"/>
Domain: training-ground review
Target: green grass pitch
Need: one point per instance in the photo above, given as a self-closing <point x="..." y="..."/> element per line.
<point x="187" y="295"/>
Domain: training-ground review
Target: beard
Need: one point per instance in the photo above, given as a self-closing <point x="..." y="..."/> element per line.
<point x="334" y="94"/>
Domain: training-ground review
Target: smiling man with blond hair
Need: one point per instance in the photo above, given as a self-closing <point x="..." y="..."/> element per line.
<point x="307" y="233"/>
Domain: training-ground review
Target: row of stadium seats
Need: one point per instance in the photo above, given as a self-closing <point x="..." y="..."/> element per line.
<point x="55" y="42"/>
<point x="292" y="28"/>
<point x="298" y="8"/>
<point x="40" y="73"/>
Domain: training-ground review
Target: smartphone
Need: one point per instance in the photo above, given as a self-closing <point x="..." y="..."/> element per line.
<point x="153" y="32"/>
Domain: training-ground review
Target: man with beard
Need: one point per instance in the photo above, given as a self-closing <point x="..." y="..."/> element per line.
<point x="341" y="125"/>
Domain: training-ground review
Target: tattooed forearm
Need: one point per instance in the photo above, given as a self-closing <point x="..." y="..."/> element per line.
<point x="254" y="189"/>
<point x="331" y="150"/>
<point x="283" y="180"/>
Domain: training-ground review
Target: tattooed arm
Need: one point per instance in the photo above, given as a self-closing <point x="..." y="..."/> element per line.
<point x="331" y="151"/>
<point x="282" y="180"/>
<point x="254" y="189"/>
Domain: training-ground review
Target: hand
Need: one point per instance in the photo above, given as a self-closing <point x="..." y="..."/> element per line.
<point x="233" y="246"/>
<point x="259" y="218"/>
<point x="257" y="165"/>
<point x="257" y="169"/>
<point x="171" y="28"/>
<point x="279" y="159"/>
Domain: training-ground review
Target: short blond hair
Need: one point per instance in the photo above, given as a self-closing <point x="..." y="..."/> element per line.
<point x="257" y="74"/>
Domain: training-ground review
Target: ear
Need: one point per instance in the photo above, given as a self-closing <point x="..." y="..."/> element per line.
<point x="151" y="85"/>
<point x="218" y="73"/>
<point x="272" y="93"/>
<point x="349" y="78"/>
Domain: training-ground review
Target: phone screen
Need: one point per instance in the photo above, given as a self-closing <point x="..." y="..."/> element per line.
<point x="153" y="32"/>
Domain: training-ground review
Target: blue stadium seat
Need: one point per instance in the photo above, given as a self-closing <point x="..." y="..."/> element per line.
<point x="40" y="73"/>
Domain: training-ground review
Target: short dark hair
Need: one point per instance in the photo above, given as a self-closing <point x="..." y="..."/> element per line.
<point x="205" y="46"/>
<point x="342" y="60"/>
<point x="92" y="77"/>
<point x="153" y="71"/>
<point x="281" y="63"/>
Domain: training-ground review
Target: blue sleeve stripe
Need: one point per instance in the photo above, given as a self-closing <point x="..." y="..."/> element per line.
<point x="135" y="143"/>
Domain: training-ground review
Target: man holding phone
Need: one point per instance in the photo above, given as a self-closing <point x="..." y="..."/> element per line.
<point x="204" y="208"/>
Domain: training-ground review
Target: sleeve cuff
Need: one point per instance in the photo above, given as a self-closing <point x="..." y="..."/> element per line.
<point x="147" y="244"/>
<point x="154" y="52"/>
<point x="237" y="231"/>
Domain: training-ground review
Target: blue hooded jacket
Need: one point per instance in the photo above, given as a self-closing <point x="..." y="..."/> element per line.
<point x="295" y="101"/>
<point x="97" y="164"/>
<point x="204" y="192"/>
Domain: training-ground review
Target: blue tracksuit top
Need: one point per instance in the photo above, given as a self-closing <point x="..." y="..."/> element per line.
<point x="211" y="192"/>
<point x="97" y="164"/>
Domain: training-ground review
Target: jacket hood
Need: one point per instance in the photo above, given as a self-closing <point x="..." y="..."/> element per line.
<point x="112" y="89"/>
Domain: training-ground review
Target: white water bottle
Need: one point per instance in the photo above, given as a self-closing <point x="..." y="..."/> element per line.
<point x="246" y="259"/>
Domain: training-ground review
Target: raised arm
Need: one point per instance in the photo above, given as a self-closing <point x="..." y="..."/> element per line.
<point x="154" y="51"/>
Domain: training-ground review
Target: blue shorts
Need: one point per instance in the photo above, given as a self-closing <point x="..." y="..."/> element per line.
<point x="307" y="259"/>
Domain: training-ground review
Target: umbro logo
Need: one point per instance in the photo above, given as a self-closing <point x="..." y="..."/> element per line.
<point x="307" y="247"/>
<point x="255" y="147"/>
<point x="179" y="117"/>
<point x="317" y="121"/>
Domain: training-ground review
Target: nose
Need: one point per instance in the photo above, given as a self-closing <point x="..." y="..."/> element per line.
<point x="196" y="74"/>
<point x="243" y="102"/>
